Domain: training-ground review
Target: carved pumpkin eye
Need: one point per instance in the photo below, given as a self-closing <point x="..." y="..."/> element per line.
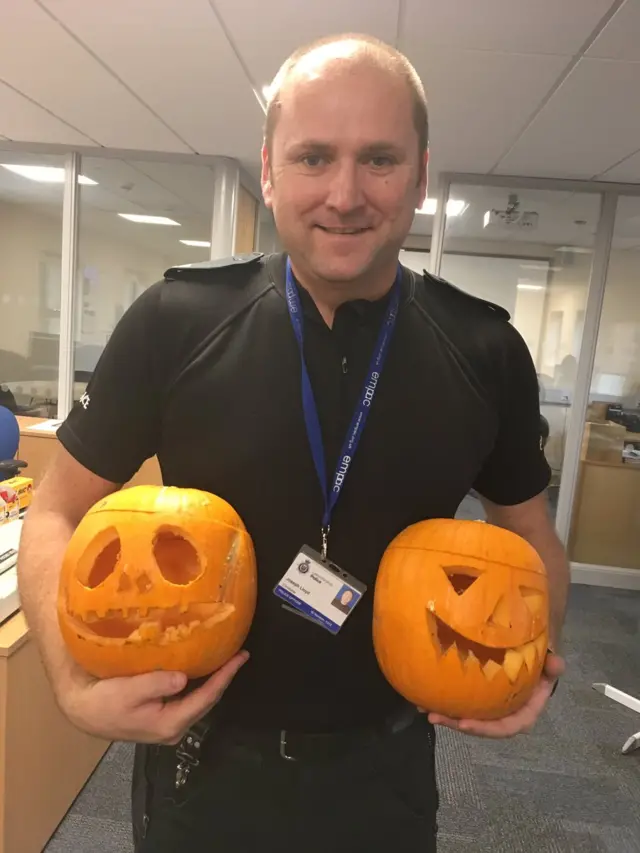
<point x="461" y="577"/>
<point x="105" y="563"/>
<point x="534" y="600"/>
<point x="177" y="559"/>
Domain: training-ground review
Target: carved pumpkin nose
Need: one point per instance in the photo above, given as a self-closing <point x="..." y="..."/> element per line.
<point x="125" y="583"/>
<point x="481" y="648"/>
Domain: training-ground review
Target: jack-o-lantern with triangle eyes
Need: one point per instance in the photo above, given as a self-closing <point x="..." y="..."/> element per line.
<point x="461" y="613"/>
<point x="157" y="578"/>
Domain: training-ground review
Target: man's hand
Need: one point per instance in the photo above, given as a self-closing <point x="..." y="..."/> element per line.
<point x="141" y="708"/>
<point x="523" y="720"/>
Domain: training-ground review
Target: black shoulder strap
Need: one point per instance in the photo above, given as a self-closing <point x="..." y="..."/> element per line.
<point x="475" y="329"/>
<point x="208" y="271"/>
<point x="455" y="293"/>
<point x="199" y="301"/>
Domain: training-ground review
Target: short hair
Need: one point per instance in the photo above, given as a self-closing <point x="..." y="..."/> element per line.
<point x="369" y="47"/>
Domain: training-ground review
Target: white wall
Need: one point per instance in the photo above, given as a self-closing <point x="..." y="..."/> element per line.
<point x="112" y="272"/>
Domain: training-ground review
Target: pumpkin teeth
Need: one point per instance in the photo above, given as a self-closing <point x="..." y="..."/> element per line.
<point x="470" y="660"/>
<point x="491" y="669"/>
<point x="513" y="663"/>
<point x="541" y="647"/>
<point x="528" y="652"/>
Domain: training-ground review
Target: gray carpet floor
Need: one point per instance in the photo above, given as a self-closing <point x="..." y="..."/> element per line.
<point x="564" y="788"/>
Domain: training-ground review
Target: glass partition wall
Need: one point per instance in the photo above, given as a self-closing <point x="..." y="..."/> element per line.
<point x="529" y="251"/>
<point x="605" y="521"/>
<point x="31" y="196"/>
<point x="562" y="256"/>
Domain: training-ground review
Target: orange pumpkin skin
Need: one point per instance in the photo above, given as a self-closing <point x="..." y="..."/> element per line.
<point x="157" y="578"/>
<point x="461" y="612"/>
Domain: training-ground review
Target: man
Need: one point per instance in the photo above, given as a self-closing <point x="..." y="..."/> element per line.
<point x="344" y="600"/>
<point x="244" y="378"/>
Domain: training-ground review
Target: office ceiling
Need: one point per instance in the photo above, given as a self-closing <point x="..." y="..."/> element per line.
<point x="541" y="88"/>
<point x="515" y="87"/>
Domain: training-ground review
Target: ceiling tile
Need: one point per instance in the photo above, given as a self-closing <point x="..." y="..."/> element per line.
<point x="543" y="26"/>
<point x="72" y="84"/>
<point x="145" y="186"/>
<point x="585" y="128"/>
<point x="266" y="33"/>
<point x="22" y="120"/>
<point x="479" y="101"/>
<point x="620" y="39"/>
<point x="175" y="56"/>
<point x="627" y="171"/>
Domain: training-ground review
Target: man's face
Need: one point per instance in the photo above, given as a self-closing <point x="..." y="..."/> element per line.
<point x="346" y="597"/>
<point x="344" y="176"/>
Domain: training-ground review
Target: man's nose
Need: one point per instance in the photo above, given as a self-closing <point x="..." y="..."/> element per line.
<point x="345" y="190"/>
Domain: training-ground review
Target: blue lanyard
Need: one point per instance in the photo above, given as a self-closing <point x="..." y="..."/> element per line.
<point x="363" y="406"/>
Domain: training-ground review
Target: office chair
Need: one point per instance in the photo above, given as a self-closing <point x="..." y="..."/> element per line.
<point x="9" y="441"/>
<point x="629" y="702"/>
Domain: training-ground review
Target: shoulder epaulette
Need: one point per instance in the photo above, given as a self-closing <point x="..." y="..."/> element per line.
<point x="208" y="270"/>
<point x="446" y="286"/>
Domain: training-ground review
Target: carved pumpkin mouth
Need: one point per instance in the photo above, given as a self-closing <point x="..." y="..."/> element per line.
<point x="151" y="624"/>
<point x="491" y="660"/>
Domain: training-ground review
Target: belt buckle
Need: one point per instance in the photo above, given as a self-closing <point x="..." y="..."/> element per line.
<point x="283" y="747"/>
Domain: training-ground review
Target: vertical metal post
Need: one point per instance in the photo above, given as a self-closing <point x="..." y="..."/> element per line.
<point x="68" y="295"/>
<point x="577" y="414"/>
<point x="226" y="190"/>
<point x="439" y="223"/>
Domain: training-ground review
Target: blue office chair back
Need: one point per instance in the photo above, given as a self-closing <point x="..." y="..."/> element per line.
<point x="9" y="442"/>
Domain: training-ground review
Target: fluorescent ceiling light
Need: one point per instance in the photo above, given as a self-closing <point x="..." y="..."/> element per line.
<point x="45" y="174"/>
<point x="543" y="267"/>
<point x="149" y="220"/>
<point x="530" y="287"/>
<point x="203" y="243"/>
<point x="455" y="207"/>
<point x="577" y="250"/>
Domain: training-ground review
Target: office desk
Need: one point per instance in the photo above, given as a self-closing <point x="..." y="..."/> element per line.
<point x="36" y="448"/>
<point x="606" y="517"/>
<point x="44" y="760"/>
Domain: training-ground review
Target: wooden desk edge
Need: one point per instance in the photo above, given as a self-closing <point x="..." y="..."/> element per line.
<point x="13" y="634"/>
<point x="25" y="423"/>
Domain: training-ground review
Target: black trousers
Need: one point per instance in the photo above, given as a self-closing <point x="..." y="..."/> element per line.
<point x="379" y="795"/>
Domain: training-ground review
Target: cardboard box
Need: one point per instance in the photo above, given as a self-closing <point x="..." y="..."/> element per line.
<point x="9" y="506"/>
<point x="15" y="496"/>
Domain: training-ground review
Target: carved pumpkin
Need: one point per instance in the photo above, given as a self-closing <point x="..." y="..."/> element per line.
<point x="461" y="618"/>
<point x="157" y="578"/>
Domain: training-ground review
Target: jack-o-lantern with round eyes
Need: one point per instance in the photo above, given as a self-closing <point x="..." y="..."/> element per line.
<point x="157" y="578"/>
<point x="461" y="613"/>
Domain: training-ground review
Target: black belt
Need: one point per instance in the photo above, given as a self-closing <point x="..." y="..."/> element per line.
<point x="289" y="745"/>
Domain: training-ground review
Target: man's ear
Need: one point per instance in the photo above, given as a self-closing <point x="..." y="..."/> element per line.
<point x="265" y="178"/>
<point x="423" y="177"/>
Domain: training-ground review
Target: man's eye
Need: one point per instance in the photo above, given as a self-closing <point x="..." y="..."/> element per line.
<point x="312" y="160"/>
<point x="382" y="161"/>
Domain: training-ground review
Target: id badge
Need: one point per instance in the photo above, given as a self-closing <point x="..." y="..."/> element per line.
<point x="319" y="590"/>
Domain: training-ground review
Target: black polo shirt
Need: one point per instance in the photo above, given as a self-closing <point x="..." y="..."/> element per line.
<point x="204" y="371"/>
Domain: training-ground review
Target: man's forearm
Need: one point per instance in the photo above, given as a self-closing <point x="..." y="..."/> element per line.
<point x="532" y="521"/>
<point x="42" y="545"/>
<point x="553" y="555"/>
